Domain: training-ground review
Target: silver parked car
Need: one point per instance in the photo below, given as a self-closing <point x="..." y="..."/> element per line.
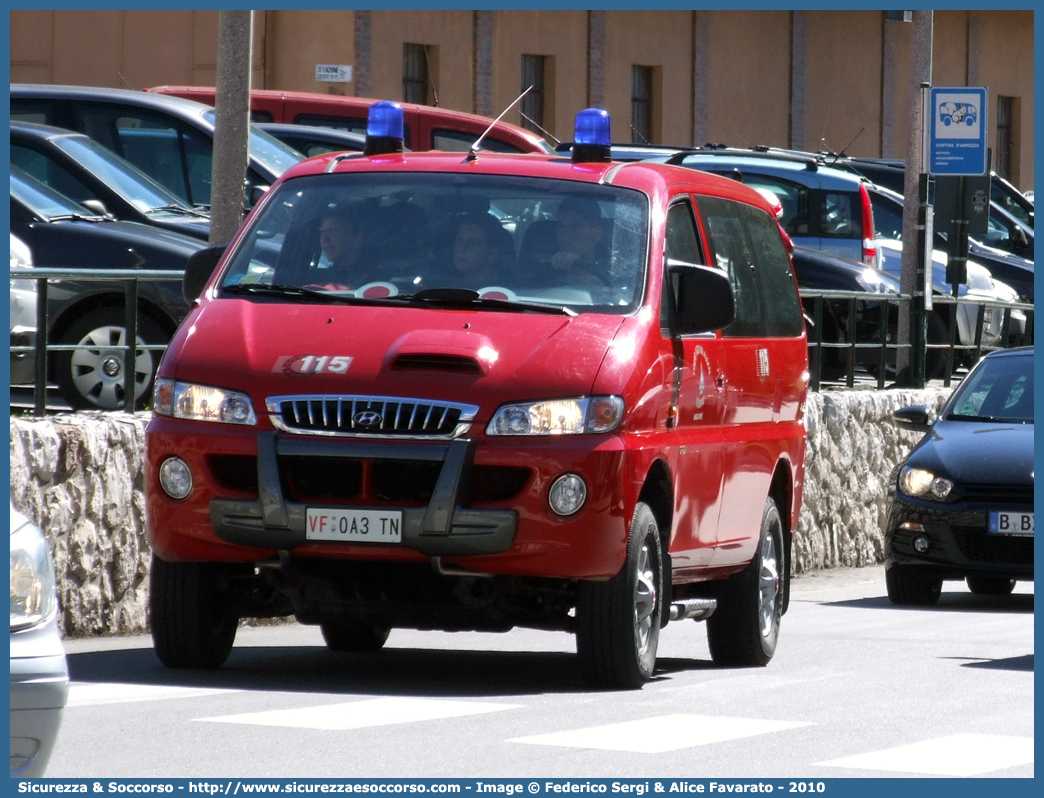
<point x="39" y="676"/>
<point x="23" y="314"/>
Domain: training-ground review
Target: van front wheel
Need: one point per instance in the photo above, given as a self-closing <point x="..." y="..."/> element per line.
<point x="618" y="622"/>
<point x="193" y="618"/>
<point x="744" y="629"/>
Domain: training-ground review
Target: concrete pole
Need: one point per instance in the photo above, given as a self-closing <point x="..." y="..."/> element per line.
<point x="910" y="282"/>
<point x="232" y="112"/>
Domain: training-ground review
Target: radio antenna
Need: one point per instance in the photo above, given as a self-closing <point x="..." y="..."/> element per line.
<point x="473" y="152"/>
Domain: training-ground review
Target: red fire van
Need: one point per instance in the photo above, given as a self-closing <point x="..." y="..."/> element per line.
<point x="539" y="391"/>
<point x="424" y="127"/>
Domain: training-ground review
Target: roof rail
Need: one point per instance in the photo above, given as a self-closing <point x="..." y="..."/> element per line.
<point x="811" y="163"/>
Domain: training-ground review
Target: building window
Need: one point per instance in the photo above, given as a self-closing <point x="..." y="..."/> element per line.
<point x="416" y="73"/>
<point x="1005" y="137"/>
<point x="641" y="104"/>
<point x="533" y="74"/>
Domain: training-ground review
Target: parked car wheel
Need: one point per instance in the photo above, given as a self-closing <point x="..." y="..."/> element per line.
<point x="93" y="379"/>
<point x="618" y="622"/>
<point x="744" y="629"/>
<point x="911" y="586"/>
<point x="353" y="637"/>
<point x="193" y="619"/>
<point x="990" y="585"/>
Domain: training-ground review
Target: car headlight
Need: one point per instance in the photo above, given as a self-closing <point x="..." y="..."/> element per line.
<point x="584" y="414"/>
<point x="33" y="592"/>
<point x="924" y="484"/>
<point x="202" y="403"/>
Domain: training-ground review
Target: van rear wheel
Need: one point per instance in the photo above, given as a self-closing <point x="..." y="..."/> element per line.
<point x="618" y="622"/>
<point x="744" y="629"/>
<point x="193" y="618"/>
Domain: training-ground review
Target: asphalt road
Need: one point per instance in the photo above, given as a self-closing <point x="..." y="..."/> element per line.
<point x="858" y="688"/>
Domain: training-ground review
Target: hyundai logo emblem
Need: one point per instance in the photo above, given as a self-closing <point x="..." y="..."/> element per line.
<point x="367" y="419"/>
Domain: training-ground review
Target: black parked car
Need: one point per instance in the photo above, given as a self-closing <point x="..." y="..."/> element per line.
<point x="1004" y="266"/>
<point x="820" y="272"/>
<point x="961" y="503"/>
<point x="96" y="177"/>
<point x="64" y="234"/>
<point x="169" y="138"/>
<point x="312" y="140"/>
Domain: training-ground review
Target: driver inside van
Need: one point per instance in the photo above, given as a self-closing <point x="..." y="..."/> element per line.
<point x="578" y="252"/>
<point x="341" y="237"/>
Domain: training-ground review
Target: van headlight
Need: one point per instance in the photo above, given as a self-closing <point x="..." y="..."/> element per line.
<point x="202" y="403"/>
<point x="33" y="592"/>
<point x="584" y="414"/>
<point x="924" y="484"/>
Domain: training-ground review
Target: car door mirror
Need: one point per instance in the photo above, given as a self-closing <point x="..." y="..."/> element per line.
<point x="97" y="206"/>
<point x="198" y="270"/>
<point x="915" y="417"/>
<point x="703" y="297"/>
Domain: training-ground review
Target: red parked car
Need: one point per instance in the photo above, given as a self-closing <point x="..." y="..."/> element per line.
<point x="542" y="391"/>
<point x="425" y="127"/>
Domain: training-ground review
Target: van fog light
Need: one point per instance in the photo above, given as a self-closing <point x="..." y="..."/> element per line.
<point x="568" y="494"/>
<point x="175" y="478"/>
<point x="920" y="544"/>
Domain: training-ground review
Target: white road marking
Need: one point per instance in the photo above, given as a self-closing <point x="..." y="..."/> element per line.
<point x="82" y="694"/>
<point x="956" y="755"/>
<point x="657" y="735"/>
<point x="363" y="714"/>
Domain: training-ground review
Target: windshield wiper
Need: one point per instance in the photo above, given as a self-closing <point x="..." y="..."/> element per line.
<point x="179" y="209"/>
<point x="262" y="289"/>
<point x="75" y="217"/>
<point x="466" y="298"/>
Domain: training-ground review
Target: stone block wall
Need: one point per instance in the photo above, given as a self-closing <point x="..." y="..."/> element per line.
<point x="81" y="476"/>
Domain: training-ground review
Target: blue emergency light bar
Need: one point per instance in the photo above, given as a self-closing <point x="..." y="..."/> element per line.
<point x="591" y="136"/>
<point x="384" y="128"/>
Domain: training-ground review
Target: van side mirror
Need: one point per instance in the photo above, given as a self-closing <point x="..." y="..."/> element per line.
<point x="915" y="417"/>
<point x="703" y="297"/>
<point x="198" y="270"/>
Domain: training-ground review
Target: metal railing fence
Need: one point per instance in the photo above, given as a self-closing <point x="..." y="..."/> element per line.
<point x="875" y="349"/>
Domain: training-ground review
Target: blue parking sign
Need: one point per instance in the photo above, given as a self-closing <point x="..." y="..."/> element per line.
<point x="958" y="131"/>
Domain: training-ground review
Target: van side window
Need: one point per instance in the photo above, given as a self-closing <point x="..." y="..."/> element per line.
<point x="745" y="242"/>
<point x="793" y="197"/>
<point x="681" y="242"/>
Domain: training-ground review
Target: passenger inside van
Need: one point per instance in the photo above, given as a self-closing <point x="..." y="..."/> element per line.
<point x="482" y="252"/>
<point x="574" y="248"/>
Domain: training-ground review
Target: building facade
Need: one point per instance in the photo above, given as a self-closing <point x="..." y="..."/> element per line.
<point x="818" y="80"/>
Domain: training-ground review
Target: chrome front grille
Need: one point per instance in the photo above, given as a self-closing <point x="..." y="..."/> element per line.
<point x="372" y="416"/>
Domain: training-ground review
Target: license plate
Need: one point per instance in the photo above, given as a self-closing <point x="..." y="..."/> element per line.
<point x="1011" y="523"/>
<point x="354" y="526"/>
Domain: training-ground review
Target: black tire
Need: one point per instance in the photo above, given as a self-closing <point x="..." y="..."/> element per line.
<point x="192" y="616"/>
<point x="744" y="629"/>
<point x="910" y="585"/>
<point x="93" y="379"/>
<point x="353" y="637"/>
<point x="618" y="621"/>
<point x="990" y="585"/>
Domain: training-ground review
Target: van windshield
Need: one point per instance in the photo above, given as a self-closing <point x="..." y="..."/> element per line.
<point x="380" y="235"/>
